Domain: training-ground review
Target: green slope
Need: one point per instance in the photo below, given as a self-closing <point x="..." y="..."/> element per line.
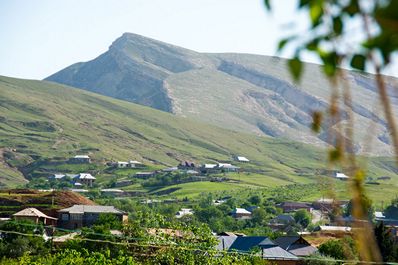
<point x="42" y="121"/>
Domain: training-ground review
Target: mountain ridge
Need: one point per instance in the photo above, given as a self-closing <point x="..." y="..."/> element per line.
<point x="264" y="100"/>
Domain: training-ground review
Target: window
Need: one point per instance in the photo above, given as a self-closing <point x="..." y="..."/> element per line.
<point x="65" y="217"/>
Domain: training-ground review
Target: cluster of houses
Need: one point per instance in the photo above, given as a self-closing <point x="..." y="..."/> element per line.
<point x="285" y="250"/>
<point x="77" y="180"/>
<point x="74" y="217"/>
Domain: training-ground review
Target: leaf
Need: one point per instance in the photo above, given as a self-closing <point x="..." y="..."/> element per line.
<point x="315" y="13"/>
<point x="295" y="67"/>
<point x="282" y="43"/>
<point x="330" y="61"/>
<point x="337" y="25"/>
<point x="316" y="121"/>
<point x="267" y="4"/>
<point x="358" y="61"/>
<point x="352" y="8"/>
<point x="303" y="3"/>
<point x="335" y="155"/>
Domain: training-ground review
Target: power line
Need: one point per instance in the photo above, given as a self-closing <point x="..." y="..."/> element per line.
<point x="180" y="246"/>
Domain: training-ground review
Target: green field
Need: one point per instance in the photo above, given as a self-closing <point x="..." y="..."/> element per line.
<point x="43" y="124"/>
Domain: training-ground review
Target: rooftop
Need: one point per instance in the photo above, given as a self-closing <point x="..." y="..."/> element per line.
<point x="91" y="209"/>
<point x="32" y="212"/>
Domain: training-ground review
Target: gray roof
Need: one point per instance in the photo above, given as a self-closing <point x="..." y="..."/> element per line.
<point x="295" y="245"/>
<point x="247" y="243"/>
<point x="91" y="209"/>
<point x="225" y="242"/>
<point x="276" y="252"/>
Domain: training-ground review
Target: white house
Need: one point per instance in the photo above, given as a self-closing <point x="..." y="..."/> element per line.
<point x="85" y="178"/>
<point x="183" y="212"/>
<point x="241" y="159"/>
<point x="341" y="176"/>
<point x="122" y="164"/>
<point x="135" y="164"/>
<point x="241" y="213"/>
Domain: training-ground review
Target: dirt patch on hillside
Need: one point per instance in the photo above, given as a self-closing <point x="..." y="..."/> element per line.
<point x="49" y="202"/>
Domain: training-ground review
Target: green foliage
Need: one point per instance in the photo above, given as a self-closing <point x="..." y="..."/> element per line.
<point x="15" y="245"/>
<point x="330" y="23"/>
<point x="319" y="259"/>
<point x="303" y="218"/>
<point x="386" y="242"/>
<point x="341" y="249"/>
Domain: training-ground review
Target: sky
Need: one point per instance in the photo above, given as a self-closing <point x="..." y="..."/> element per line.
<point x="39" y="38"/>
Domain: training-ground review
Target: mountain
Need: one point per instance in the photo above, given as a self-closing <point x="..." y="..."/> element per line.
<point x="42" y="124"/>
<point x="43" y="121"/>
<point x="242" y="92"/>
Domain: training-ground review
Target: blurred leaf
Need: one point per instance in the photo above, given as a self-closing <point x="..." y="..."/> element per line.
<point x="313" y="45"/>
<point x="330" y="61"/>
<point x="337" y="25"/>
<point x="352" y="8"/>
<point x="282" y="43"/>
<point x="303" y="3"/>
<point x="316" y="121"/>
<point x="335" y="155"/>
<point x="358" y="61"/>
<point x="267" y="4"/>
<point x="315" y="13"/>
<point x="295" y="67"/>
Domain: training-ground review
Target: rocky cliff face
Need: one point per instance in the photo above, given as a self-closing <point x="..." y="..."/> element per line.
<point x="244" y="92"/>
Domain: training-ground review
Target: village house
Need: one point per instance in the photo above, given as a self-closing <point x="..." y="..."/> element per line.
<point x="296" y="245"/>
<point x="241" y="214"/>
<point x="327" y="205"/>
<point x="32" y="214"/>
<point x="288" y="207"/>
<point x="145" y="175"/>
<point x="122" y="164"/>
<point x="79" y="216"/>
<point x="241" y="159"/>
<point x="85" y="179"/>
<point x="136" y="164"/>
<point x="112" y="192"/>
<point x="341" y="176"/>
<point x="266" y="248"/>
<point x="80" y="159"/>
<point x="282" y="223"/>
<point x="218" y="168"/>
<point x="186" y="165"/>
<point x="225" y="167"/>
<point x="184" y="212"/>
<point x="57" y="176"/>
<point x="332" y="230"/>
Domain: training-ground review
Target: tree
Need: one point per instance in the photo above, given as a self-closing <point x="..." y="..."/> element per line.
<point x="386" y="243"/>
<point x="341" y="249"/>
<point x="329" y="37"/>
<point x="259" y="216"/>
<point x="302" y="217"/>
<point x="255" y="200"/>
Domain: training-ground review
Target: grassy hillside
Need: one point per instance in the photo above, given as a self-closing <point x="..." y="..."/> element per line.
<point x="42" y="122"/>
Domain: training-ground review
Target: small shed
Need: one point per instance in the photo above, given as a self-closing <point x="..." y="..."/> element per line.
<point x="36" y="216"/>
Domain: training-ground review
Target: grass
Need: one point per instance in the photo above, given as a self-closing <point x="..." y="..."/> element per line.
<point x="46" y="122"/>
<point x="194" y="189"/>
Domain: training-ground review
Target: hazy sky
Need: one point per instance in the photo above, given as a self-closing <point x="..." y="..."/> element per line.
<point x="41" y="37"/>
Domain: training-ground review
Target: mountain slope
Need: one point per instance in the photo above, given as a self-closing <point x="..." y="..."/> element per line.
<point x="249" y="93"/>
<point x="42" y="121"/>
